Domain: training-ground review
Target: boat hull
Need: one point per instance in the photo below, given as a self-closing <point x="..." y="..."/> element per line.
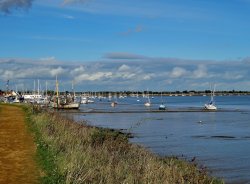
<point x="66" y="106"/>
<point x="210" y="107"/>
<point x="162" y="107"/>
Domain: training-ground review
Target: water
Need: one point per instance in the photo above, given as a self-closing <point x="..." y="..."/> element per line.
<point x="219" y="140"/>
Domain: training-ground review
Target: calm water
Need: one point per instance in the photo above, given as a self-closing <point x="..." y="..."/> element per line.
<point x="218" y="140"/>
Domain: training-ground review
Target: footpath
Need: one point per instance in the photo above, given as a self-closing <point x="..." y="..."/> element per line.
<point x="17" y="148"/>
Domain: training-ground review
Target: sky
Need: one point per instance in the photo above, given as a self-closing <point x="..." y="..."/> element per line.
<point x="125" y="45"/>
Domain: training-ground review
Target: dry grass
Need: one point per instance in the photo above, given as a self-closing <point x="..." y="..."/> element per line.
<point x="86" y="154"/>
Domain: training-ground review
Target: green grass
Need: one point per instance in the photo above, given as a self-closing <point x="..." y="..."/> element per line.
<point x="45" y="156"/>
<point x="73" y="153"/>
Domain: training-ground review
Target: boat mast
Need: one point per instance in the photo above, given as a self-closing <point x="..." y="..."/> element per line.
<point x="148" y="97"/>
<point x="7" y="87"/>
<point x="46" y="86"/>
<point x="213" y="93"/>
<point x="57" y="93"/>
<point x="38" y="87"/>
<point x="73" y="91"/>
<point x="34" y="87"/>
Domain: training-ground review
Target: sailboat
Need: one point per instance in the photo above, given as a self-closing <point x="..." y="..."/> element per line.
<point x="211" y="104"/>
<point x="137" y="96"/>
<point x="66" y="102"/>
<point x="16" y="100"/>
<point x="114" y="102"/>
<point x="162" y="106"/>
<point x="148" y="103"/>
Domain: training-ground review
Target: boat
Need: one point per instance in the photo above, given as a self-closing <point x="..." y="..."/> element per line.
<point x="148" y="103"/>
<point x="114" y="101"/>
<point x="65" y="102"/>
<point x="137" y="96"/>
<point x="60" y="105"/>
<point x="16" y="100"/>
<point x="113" y="104"/>
<point x="84" y="100"/>
<point x="162" y="106"/>
<point x="211" y="105"/>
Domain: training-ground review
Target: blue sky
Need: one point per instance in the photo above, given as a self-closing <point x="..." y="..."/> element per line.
<point x="132" y="44"/>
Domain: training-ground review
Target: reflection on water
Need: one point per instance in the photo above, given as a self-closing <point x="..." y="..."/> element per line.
<point x="218" y="140"/>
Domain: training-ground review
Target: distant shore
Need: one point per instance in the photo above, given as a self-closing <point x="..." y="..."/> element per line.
<point x="138" y="93"/>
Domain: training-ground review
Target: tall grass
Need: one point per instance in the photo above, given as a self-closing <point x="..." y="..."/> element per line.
<point x="83" y="154"/>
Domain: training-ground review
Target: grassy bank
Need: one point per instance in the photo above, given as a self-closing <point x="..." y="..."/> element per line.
<point x="74" y="153"/>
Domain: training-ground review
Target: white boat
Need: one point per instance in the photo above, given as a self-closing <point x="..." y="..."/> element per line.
<point x="113" y="104"/>
<point x="148" y="103"/>
<point x="91" y="101"/>
<point x="211" y="104"/>
<point x="16" y="100"/>
<point x="137" y="96"/>
<point x="84" y="100"/>
<point x="162" y="106"/>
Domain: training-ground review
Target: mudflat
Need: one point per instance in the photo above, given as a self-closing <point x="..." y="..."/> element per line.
<point x="17" y="148"/>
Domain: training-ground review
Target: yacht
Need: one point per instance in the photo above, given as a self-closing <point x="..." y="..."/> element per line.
<point x="211" y="104"/>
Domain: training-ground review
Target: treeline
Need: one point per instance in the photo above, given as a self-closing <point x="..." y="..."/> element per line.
<point x="129" y="93"/>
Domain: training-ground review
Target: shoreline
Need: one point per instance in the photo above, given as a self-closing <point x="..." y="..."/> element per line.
<point x="89" y="154"/>
<point x="152" y="111"/>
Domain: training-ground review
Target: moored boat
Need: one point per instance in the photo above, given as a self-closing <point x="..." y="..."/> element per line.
<point x="162" y="107"/>
<point x="66" y="102"/>
<point x="211" y="105"/>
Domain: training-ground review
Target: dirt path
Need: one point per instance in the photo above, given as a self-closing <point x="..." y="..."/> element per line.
<point x="17" y="148"/>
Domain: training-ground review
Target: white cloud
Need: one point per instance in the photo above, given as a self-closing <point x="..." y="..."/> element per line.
<point x="8" y="75"/>
<point x="233" y="75"/>
<point x="51" y="58"/>
<point x="81" y="78"/>
<point x="77" y="71"/>
<point x="123" y="68"/>
<point x="113" y="74"/>
<point x="100" y="75"/>
<point x="93" y="77"/>
<point x="128" y="75"/>
<point x="178" y="72"/>
<point x="57" y="71"/>
<point x="200" y="72"/>
<point x="148" y="76"/>
<point x="48" y="60"/>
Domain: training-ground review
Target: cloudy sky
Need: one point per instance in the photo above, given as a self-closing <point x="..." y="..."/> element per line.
<point x="126" y="45"/>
